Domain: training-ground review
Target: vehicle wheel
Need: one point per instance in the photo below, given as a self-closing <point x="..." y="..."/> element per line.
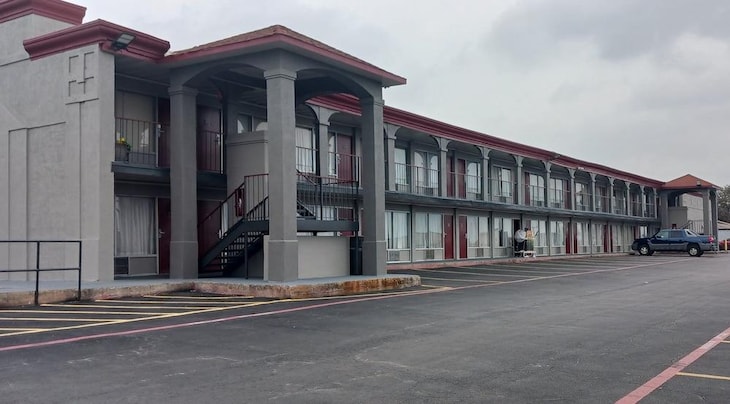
<point x="694" y="250"/>
<point x="645" y="250"/>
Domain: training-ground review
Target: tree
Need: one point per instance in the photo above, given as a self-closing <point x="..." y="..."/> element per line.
<point x="723" y="204"/>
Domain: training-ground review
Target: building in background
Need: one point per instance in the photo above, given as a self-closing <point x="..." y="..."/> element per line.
<point x="271" y="155"/>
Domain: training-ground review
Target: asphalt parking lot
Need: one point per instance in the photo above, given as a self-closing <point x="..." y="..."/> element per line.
<point x="609" y="329"/>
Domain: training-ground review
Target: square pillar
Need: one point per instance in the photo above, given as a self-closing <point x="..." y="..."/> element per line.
<point x="520" y="182"/>
<point x="594" y="205"/>
<point x="183" y="184"/>
<point x="373" y="187"/>
<point x="706" y="213"/>
<point x="390" y="131"/>
<point x="283" y="261"/>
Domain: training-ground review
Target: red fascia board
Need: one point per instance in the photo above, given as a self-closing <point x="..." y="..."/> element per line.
<point x="54" y="9"/>
<point x="389" y="79"/>
<point x="145" y="47"/>
<point x="350" y="104"/>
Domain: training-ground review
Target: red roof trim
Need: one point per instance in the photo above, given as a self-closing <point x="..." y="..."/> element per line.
<point x="145" y="47"/>
<point x="688" y="181"/>
<point x="350" y="104"/>
<point x="55" y="9"/>
<point x="277" y="37"/>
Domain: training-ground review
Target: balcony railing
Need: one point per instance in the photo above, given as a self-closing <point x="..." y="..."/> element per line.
<point x="583" y="201"/>
<point x="619" y="207"/>
<point x="636" y="209"/>
<point x="326" y="198"/>
<point x="559" y="198"/>
<point x="344" y="166"/>
<point x="416" y="180"/>
<point x="535" y="195"/>
<point x="464" y="186"/>
<point x="306" y="160"/>
<point x="650" y="210"/>
<point x="602" y="204"/>
<point x="502" y="191"/>
<point x="136" y="142"/>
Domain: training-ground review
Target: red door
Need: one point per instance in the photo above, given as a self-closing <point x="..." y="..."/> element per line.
<point x="448" y="237"/>
<point x="209" y="139"/>
<point x="462" y="238"/>
<point x="346" y="162"/>
<point x="461" y="177"/>
<point x="164" y="225"/>
<point x="163" y="117"/>
<point x="568" y="237"/>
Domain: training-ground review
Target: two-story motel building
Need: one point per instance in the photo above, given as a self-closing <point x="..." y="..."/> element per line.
<point x="264" y="155"/>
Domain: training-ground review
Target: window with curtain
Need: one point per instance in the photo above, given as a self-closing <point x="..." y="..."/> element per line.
<point x="473" y="177"/>
<point x="427" y="169"/>
<point x="428" y="232"/>
<point x="539" y="234"/>
<point x="536" y="189"/>
<point x="477" y="234"/>
<point x="135" y="226"/>
<point x="401" y="168"/>
<point x="504" y="181"/>
<point x="557" y="233"/>
<point x="396" y="227"/>
<point x="557" y="192"/>
<point x="502" y="232"/>
<point x="306" y="152"/>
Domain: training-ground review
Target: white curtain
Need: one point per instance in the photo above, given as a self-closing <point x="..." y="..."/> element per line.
<point x="134" y="219"/>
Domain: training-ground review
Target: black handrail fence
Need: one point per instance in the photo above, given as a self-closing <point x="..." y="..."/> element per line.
<point x="38" y="268"/>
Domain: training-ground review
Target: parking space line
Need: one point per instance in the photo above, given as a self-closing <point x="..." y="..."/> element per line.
<point x="668" y="373"/>
<point x="160" y="302"/>
<point x="197" y="297"/>
<point x="84" y="312"/>
<point x="461" y="280"/>
<point x="703" y="376"/>
<point x="59" y="319"/>
<point x="21" y="329"/>
<point x="111" y="306"/>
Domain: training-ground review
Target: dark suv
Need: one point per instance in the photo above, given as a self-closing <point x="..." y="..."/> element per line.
<point x="676" y="240"/>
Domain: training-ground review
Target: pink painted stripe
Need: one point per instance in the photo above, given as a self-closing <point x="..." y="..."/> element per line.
<point x="653" y="384"/>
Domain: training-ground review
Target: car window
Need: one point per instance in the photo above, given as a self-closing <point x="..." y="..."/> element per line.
<point x="677" y="234"/>
<point x="663" y="234"/>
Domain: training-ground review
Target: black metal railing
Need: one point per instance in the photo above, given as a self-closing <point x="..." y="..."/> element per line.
<point x="322" y="197"/>
<point x="136" y="142"/>
<point x="38" y="268"/>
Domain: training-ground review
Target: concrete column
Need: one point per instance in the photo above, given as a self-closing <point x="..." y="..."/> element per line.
<point x="373" y="185"/>
<point x="707" y="226"/>
<point x="593" y="192"/>
<point x="664" y="209"/>
<point x="520" y="182"/>
<point x="183" y="184"/>
<point x="654" y="203"/>
<point x="571" y="171"/>
<point x="323" y="117"/>
<point x="485" y="172"/>
<point x="443" y="169"/>
<point x="627" y="198"/>
<point x="546" y="191"/>
<point x="283" y="259"/>
<point x="390" y="131"/>
<point x="642" y="201"/>
<point x="611" y="202"/>
<point x="713" y="206"/>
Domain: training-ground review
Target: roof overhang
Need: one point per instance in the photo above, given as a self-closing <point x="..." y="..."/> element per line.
<point x="290" y="43"/>
<point x="55" y="9"/>
<point x="144" y="46"/>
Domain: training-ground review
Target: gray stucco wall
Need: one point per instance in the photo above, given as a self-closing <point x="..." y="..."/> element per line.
<point x="58" y="185"/>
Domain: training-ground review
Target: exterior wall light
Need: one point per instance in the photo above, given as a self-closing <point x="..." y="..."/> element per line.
<point x="122" y="41"/>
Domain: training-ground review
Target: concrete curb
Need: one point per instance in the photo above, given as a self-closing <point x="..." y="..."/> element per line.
<point x="296" y="290"/>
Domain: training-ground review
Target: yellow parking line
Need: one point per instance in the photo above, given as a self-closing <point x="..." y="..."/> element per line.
<point x="149" y="313"/>
<point x="111" y="306"/>
<point x="132" y="320"/>
<point x="704" y="376"/>
<point x="199" y="297"/>
<point x="725" y="342"/>
<point x="54" y="319"/>
<point x="158" y="302"/>
<point x="22" y="329"/>
<point x="460" y="280"/>
<point x="474" y="273"/>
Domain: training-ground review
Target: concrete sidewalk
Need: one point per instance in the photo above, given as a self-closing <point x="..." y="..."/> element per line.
<point x="22" y="293"/>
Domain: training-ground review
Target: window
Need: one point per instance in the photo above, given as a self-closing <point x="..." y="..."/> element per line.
<point x="557" y="192"/>
<point x="602" y="199"/>
<point x="135" y="227"/>
<point x="397" y="227"/>
<point x="401" y="168"/>
<point x="427" y="172"/>
<point x="539" y="235"/>
<point x="503" y="183"/>
<point x="244" y="123"/>
<point x="535" y="189"/>
<point x="473" y="178"/>
<point x="582" y="196"/>
<point x="557" y="236"/>
<point x="428" y="232"/>
<point x="583" y="238"/>
<point x="477" y="235"/>
<point x="306" y="153"/>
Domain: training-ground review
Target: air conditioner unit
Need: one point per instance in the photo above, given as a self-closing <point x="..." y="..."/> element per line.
<point x="480" y="252"/>
<point x="501" y="198"/>
<point x="428" y="191"/>
<point x="430" y="254"/>
<point x="556" y="205"/>
<point x="403" y="187"/>
<point x="393" y="256"/>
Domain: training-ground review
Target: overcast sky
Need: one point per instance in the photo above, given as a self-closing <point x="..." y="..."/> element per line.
<point x="639" y="85"/>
